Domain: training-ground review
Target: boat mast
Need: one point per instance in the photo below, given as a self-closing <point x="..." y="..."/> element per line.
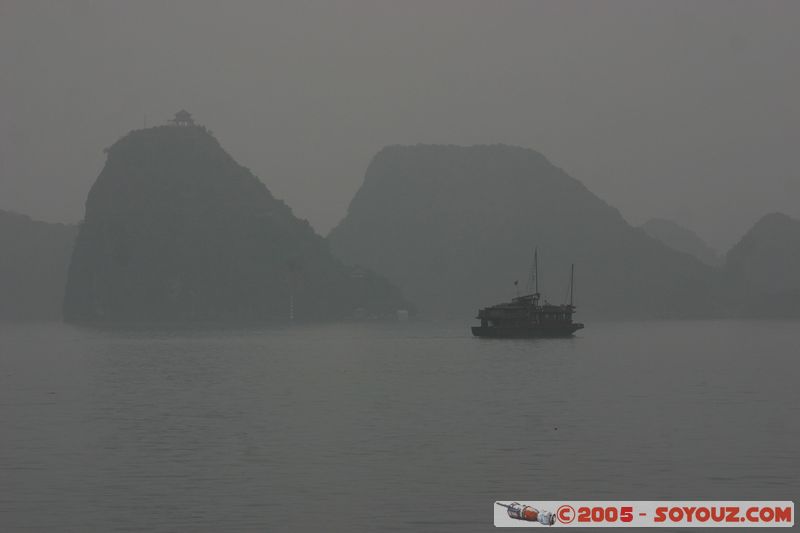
<point x="571" y="282"/>
<point x="536" y="276"/>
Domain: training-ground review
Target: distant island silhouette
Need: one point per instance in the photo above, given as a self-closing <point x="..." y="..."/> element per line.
<point x="34" y="257"/>
<point x="176" y="230"/>
<point x="765" y="265"/>
<point x="681" y="239"/>
<point x="454" y="226"/>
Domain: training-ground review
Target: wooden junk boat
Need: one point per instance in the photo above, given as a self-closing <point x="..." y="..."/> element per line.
<point x="524" y="316"/>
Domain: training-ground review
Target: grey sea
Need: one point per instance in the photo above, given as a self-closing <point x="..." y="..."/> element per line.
<point x="385" y="427"/>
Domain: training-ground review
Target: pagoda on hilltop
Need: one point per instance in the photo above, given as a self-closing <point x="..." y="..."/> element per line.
<point x="182" y="118"/>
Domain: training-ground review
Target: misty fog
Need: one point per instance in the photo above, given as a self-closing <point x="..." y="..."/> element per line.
<point x="681" y="110"/>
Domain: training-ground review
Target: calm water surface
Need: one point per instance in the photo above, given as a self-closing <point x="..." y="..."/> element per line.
<point x="394" y="427"/>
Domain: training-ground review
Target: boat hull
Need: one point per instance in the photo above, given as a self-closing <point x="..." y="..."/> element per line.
<point x="528" y="332"/>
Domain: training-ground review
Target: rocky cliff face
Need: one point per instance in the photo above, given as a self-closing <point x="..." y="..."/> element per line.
<point x="33" y="266"/>
<point x="681" y="239"/>
<point x="764" y="266"/>
<point x="768" y="255"/>
<point x="176" y="230"/>
<point x="455" y="226"/>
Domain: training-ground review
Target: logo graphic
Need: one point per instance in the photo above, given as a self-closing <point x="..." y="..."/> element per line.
<point x="640" y="513"/>
<point x="565" y="514"/>
<point x="528" y="514"/>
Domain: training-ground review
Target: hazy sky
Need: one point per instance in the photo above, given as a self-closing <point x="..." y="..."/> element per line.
<point x="684" y="110"/>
